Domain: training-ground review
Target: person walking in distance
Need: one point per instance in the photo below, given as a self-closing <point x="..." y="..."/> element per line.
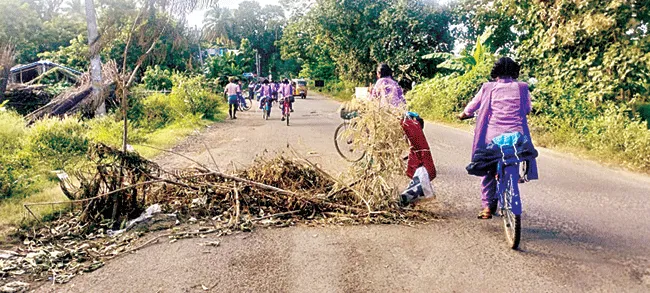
<point x="232" y="91"/>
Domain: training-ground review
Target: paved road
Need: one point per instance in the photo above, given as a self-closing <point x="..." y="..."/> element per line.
<point x="586" y="228"/>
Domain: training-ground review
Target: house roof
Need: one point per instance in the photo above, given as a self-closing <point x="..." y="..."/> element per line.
<point x="21" y="67"/>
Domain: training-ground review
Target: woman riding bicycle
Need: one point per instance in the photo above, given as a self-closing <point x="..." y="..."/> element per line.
<point x="286" y="92"/>
<point x="265" y="93"/>
<point x="501" y="107"/>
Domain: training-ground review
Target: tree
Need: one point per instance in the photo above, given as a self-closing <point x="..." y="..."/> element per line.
<point x="359" y="34"/>
<point x="600" y="47"/>
<point x="95" y="60"/>
<point x="219" y="25"/>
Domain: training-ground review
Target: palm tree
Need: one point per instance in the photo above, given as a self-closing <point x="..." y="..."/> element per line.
<point x="218" y="24"/>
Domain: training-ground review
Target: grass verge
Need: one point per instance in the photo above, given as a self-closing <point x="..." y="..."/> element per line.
<point x="13" y="214"/>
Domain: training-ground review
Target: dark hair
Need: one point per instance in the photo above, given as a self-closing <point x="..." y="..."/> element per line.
<point x="266" y="81"/>
<point x="285" y="81"/>
<point x="505" y="67"/>
<point x="384" y="70"/>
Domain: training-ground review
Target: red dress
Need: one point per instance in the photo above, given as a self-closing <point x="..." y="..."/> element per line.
<point x="420" y="154"/>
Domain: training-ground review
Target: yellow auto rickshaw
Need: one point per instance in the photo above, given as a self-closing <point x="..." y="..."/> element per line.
<point x="300" y="88"/>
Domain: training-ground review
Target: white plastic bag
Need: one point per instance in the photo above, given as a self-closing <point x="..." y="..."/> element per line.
<point x="420" y="187"/>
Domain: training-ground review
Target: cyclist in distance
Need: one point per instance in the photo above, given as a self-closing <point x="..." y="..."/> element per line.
<point x="265" y="92"/>
<point x="501" y="106"/>
<point x="286" y="92"/>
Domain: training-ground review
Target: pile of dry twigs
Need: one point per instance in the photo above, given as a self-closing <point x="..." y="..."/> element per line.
<point x="116" y="187"/>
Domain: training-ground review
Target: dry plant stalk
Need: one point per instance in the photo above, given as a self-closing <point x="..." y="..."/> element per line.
<point x="377" y="130"/>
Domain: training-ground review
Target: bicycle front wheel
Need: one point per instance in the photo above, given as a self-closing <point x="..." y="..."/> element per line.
<point x="344" y="144"/>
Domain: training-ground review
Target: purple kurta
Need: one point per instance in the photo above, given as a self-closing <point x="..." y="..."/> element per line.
<point x="387" y="91"/>
<point x="502" y="107"/>
<point x="286" y="90"/>
<point x="265" y="90"/>
<point x="505" y="108"/>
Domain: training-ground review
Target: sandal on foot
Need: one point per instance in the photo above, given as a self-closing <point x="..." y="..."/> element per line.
<point x="485" y="214"/>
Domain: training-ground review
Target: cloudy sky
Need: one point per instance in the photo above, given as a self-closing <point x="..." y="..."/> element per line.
<point x="196" y="18"/>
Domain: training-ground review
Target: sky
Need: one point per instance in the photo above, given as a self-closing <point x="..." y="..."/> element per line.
<point x="196" y="18"/>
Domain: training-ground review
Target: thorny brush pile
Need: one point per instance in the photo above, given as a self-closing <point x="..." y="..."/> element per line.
<point x="273" y="192"/>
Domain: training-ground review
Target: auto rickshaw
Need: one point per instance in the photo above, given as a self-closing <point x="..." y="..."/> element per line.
<point x="300" y="88"/>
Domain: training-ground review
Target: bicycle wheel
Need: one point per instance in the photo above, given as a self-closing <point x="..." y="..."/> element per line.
<point x="288" y="118"/>
<point x="511" y="222"/>
<point x="245" y="106"/>
<point x="345" y="146"/>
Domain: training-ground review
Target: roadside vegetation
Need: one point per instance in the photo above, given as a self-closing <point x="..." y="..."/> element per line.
<point x="588" y="64"/>
<point x="31" y="154"/>
<point x="588" y="68"/>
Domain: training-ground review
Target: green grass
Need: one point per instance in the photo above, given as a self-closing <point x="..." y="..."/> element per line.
<point x="341" y="96"/>
<point x="13" y="214"/>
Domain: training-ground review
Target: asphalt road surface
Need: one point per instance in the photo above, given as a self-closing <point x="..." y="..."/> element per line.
<point x="586" y="228"/>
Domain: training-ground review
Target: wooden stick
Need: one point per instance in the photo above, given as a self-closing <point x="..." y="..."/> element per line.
<point x="237" y="207"/>
<point x="255" y="184"/>
<point x="210" y="153"/>
<point x="99" y="196"/>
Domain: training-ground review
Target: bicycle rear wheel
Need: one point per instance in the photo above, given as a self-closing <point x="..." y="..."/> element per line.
<point x="511" y="222"/>
<point x="345" y="145"/>
<point x="245" y="106"/>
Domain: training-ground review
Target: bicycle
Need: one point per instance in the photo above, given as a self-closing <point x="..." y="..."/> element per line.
<point x="508" y="179"/>
<point x="242" y="105"/>
<point x="345" y="144"/>
<point x="343" y="141"/>
<point x="286" y="108"/>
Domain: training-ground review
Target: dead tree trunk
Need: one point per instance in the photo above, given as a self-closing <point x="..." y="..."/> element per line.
<point x="6" y="61"/>
<point x="95" y="61"/>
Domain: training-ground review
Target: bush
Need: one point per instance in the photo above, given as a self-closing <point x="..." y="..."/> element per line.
<point x="13" y="170"/>
<point x="158" y="111"/>
<point x="340" y="90"/>
<point x="12" y="131"/>
<point x="57" y="143"/>
<point x="562" y="116"/>
<point x="443" y="96"/>
<point x="109" y="130"/>
<point x="14" y="175"/>
<point x="189" y="95"/>
<point x="157" y="79"/>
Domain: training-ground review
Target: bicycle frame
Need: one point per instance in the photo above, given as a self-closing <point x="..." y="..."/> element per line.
<point x="242" y="100"/>
<point x="286" y="106"/>
<point x="508" y="180"/>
